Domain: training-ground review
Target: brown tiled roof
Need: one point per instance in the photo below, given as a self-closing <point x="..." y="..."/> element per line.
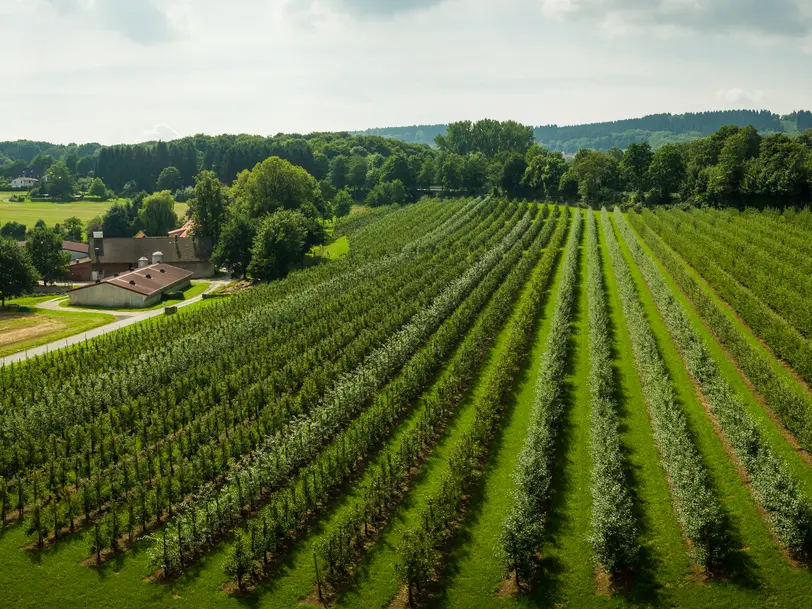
<point x="71" y="246"/>
<point x="148" y="280"/>
<point x="128" y="251"/>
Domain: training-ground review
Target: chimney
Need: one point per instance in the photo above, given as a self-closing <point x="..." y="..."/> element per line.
<point x="142" y="262"/>
<point x="157" y="257"/>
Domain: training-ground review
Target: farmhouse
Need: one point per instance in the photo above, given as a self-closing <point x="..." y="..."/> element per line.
<point x="142" y="287"/>
<point x="110" y="256"/>
<point x="19" y="183"/>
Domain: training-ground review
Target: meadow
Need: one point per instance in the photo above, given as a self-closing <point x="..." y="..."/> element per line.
<point x="28" y="212"/>
<point x="470" y="403"/>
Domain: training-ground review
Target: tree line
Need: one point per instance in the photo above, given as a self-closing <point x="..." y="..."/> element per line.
<point x="266" y="216"/>
<point x="657" y="129"/>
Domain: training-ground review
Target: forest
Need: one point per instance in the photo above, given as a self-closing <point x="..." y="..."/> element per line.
<point x="657" y="129"/>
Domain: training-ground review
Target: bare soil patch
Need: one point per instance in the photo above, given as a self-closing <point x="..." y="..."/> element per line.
<point x="19" y="327"/>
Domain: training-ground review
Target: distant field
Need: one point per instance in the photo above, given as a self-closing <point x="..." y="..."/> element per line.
<point x="29" y="212"/>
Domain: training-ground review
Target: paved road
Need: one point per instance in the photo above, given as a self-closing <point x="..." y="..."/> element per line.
<point x="123" y="319"/>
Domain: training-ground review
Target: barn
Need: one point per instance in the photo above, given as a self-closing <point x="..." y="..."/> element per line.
<point x="140" y="288"/>
<point x="119" y="255"/>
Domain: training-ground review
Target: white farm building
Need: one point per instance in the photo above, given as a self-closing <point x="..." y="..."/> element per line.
<point x="19" y="183"/>
<point x="140" y="288"/>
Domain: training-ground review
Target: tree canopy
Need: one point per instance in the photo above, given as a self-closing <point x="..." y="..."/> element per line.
<point x="45" y="248"/>
<point x="279" y="244"/>
<point x="208" y="207"/>
<point x="18" y="275"/>
<point x="487" y="136"/>
<point x="158" y="215"/>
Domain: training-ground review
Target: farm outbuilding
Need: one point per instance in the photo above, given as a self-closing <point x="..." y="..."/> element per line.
<point x="140" y="288"/>
<point x="119" y="255"/>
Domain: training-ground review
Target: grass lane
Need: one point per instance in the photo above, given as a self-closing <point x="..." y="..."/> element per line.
<point x="25" y="330"/>
<point x="772" y="430"/>
<point x="474" y="568"/>
<point x="759" y="576"/>
<point x="375" y="583"/>
<point x="567" y="559"/>
<point x="662" y="561"/>
<point x="295" y="577"/>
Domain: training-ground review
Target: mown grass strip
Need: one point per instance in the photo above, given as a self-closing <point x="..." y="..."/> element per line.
<point x="614" y="533"/>
<point x="523" y="527"/>
<point x="697" y="506"/>
<point x="776" y="490"/>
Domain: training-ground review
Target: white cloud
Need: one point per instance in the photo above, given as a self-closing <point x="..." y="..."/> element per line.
<point x="559" y="8"/>
<point x="142" y="21"/>
<point x="161" y="132"/>
<point x="739" y="96"/>
<point x="267" y="66"/>
<point x="775" y="19"/>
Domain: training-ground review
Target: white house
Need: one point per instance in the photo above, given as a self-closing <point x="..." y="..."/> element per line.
<point x="24" y="182"/>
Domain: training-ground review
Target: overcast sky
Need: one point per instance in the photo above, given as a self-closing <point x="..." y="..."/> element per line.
<point x="130" y="70"/>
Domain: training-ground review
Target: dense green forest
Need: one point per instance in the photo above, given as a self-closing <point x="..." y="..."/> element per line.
<point x="733" y="167"/>
<point x="657" y="129"/>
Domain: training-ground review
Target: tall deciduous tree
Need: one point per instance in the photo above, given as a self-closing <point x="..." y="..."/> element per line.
<point x="275" y="184"/>
<point x="666" y="173"/>
<point x="386" y="193"/>
<point x="60" y="181"/>
<point x="98" y="189"/>
<point x="209" y="205"/>
<point x="116" y="221"/>
<point x="487" y="136"/>
<point x="158" y="214"/>
<point x="233" y="250"/>
<point x="342" y="204"/>
<point x="40" y="164"/>
<point x="18" y="275"/>
<point x="280" y="243"/>
<point x="169" y="179"/>
<point x="635" y="165"/>
<point x="45" y="247"/>
<point x="73" y="229"/>
<point x="13" y="230"/>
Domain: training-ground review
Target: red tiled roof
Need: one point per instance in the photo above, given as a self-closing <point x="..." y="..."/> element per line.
<point x="148" y="280"/>
<point x="184" y="231"/>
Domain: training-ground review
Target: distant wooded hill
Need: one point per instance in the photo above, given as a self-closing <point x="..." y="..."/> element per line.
<point x="657" y="129"/>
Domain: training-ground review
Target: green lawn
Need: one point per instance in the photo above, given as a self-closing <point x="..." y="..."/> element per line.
<point x="24" y="330"/>
<point x="29" y="212"/>
<point x="196" y="289"/>
<point x="33" y="299"/>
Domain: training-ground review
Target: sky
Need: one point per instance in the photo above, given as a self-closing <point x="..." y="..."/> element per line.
<point x="115" y="71"/>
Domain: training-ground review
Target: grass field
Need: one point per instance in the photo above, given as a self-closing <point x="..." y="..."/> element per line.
<point x="24" y="330"/>
<point x="53" y="213"/>
<point x="468" y="565"/>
